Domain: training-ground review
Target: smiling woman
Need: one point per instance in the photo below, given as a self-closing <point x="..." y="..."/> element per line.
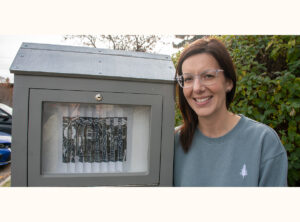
<point x="215" y="147"/>
<point x="207" y="95"/>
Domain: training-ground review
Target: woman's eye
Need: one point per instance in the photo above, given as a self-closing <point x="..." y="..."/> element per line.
<point x="188" y="79"/>
<point x="208" y="76"/>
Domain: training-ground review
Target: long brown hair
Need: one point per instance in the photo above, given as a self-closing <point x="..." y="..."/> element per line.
<point x="217" y="49"/>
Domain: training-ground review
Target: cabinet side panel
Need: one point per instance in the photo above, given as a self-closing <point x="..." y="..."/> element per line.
<point x="167" y="143"/>
<point x="19" y="133"/>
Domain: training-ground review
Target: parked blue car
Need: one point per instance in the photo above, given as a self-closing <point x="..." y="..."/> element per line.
<point x="5" y="118"/>
<point x="5" y="148"/>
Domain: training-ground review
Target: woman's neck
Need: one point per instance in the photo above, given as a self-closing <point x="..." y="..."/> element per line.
<point x="218" y="125"/>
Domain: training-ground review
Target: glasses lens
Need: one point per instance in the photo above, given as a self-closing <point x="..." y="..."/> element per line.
<point x="188" y="80"/>
<point x="209" y="77"/>
<point x="206" y="78"/>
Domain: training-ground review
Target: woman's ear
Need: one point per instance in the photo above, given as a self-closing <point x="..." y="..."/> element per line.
<point x="229" y="85"/>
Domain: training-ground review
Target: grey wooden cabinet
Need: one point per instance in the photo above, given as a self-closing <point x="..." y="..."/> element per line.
<point x="91" y="117"/>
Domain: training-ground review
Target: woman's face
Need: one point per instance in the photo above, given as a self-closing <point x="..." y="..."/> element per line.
<point x="206" y="101"/>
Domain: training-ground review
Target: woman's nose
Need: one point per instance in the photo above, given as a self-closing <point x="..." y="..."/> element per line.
<point x="198" y="85"/>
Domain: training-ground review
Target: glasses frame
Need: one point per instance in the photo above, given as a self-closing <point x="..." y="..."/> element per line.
<point x="178" y="78"/>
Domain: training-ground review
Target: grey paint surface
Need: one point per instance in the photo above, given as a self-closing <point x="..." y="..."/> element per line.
<point x="19" y="133"/>
<point x="83" y="61"/>
<point x="163" y="132"/>
<point x="168" y="118"/>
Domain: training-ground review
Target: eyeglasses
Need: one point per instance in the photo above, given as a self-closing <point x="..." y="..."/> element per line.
<point x="207" y="78"/>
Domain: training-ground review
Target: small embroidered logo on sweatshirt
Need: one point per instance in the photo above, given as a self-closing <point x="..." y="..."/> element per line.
<point x="243" y="172"/>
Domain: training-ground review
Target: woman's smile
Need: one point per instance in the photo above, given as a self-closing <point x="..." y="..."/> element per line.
<point x="203" y="100"/>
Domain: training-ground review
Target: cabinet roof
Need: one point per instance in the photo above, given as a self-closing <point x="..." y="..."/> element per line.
<point x="74" y="61"/>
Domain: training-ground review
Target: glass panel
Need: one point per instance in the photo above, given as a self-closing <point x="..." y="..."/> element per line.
<point x="90" y="138"/>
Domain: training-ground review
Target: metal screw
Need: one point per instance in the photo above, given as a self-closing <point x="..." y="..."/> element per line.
<point x="25" y="45"/>
<point x="98" y="97"/>
<point x="21" y="55"/>
<point x="99" y="51"/>
<point x="100" y="73"/>
<point x="99" y="61"/>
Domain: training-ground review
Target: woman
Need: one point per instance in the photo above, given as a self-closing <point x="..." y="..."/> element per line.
<point x="215" y="147"/>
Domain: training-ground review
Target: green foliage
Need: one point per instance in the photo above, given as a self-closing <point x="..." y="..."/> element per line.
<point x="178" y="117"/>
<point x="268" y="88"/>
<point x="175" y="58"/>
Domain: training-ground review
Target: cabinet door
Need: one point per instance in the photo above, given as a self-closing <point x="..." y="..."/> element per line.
<point x="82" y="138"/>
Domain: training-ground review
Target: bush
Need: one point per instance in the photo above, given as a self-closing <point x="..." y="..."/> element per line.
<point x="268" y="88"/>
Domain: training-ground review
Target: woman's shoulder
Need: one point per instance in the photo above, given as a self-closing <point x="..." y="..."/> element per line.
<point x="267" y="136"/>
<point x="259" y="127"/>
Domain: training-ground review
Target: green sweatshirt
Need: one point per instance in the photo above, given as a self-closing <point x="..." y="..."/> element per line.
<point x="251" y="154"/>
